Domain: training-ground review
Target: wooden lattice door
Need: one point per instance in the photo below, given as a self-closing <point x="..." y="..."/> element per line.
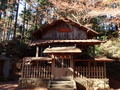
<point x="63" y="68"/>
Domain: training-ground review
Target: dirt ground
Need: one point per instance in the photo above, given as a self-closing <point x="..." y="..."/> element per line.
<point x="14" y="86"/>
<point x="114" y="85"/>
<point x="8" y="85"/>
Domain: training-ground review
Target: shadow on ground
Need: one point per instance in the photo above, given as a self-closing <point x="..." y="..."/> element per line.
<point x="80" y="87"/>
<point x="114" y="84"/>
<point x="8" y="86"/>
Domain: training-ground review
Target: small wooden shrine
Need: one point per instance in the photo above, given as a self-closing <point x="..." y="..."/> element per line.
<point x="4" y="66"/>
<point x="64" y="50"/>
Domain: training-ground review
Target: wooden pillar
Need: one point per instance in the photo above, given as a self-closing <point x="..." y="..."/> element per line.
<point x="72" y="66"/>
<point x="53" y="67"/>
<point x="37" y="51"/>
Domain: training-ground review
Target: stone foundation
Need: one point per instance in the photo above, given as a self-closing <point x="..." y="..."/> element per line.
<point x="93" y="83"/>
<point x="32" y="82"/>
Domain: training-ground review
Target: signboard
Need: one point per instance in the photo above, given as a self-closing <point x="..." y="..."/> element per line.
<point x="64" y="30"/>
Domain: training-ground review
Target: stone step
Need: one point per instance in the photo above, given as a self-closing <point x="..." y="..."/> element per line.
<point x="61" y="82"/>
<point x="61" y="89"/>
<point x="62" y="85"/>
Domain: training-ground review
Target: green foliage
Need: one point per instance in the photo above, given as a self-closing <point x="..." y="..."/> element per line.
<point x="105" y="28"/>
<point x="27" y="14"/>
<point x="3" y="5"/>
<point x="98" y="51"/>
<point x="110" y="49"/>
<point x="104" y="37"/>
<point x="90" y="49"/>
<point x="43" y="3"/>
<point x="15" y="49"/>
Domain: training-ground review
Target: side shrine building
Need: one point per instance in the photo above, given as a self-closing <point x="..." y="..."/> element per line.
<point x="65" y="51"/>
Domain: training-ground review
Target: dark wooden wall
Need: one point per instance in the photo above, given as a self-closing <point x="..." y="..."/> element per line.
<point x="64" y="31"/>
<point x="1" y="67"/>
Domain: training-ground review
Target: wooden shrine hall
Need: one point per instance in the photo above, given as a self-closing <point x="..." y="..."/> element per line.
<point x="64" y="50"/>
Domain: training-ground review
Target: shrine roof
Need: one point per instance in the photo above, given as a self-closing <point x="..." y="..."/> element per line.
<point x="69" y="49"/>
<point x="40" y="31"/>
<point x="99" y="59"/>
<point x="81" y="42"/>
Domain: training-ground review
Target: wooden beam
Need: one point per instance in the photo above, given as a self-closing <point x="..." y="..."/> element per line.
<point x="96" y="60"/>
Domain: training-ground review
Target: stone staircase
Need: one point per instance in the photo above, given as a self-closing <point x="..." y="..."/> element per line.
<point x="61" y="85"/>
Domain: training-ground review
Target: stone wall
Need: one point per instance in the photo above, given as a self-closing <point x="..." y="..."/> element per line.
<point x="32" y="82"/>
<point x="93" y="83"/>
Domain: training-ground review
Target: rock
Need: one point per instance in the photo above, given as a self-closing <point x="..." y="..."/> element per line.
<point x="90" y="88"/>
<point x="96" y="83"/>
<point x="101" y="81"/>
<point x="106" y="81"/>
<point x="101" y="85"/>
<point x="24" y="85"/>
<point x="82" y="81"/>
<point x="33" y="83"/>
<point x="90" y="83"/>
<point x="28" y="81"/>
<point x="107" y="86"/>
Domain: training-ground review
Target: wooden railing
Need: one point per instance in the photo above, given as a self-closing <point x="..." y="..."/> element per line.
<point x="90" y="71"/>
<point x="30" y="71"/>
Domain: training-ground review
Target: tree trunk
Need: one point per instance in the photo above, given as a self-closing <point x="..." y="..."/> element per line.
<point x="16" y="17"/>
<point x="23" y="29"/>
<point x="27" y="24"/>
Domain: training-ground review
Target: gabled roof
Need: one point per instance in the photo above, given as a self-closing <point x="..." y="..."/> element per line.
<point x="38" y="33"/>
